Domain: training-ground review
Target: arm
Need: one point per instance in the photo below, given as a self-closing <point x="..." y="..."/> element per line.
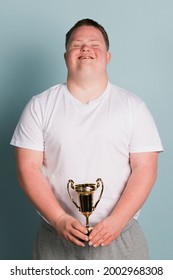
<point x="139" y="185"/>
<point x="37" y="188"/>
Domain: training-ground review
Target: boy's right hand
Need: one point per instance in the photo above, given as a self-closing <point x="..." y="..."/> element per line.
<point x="71" y="229"/>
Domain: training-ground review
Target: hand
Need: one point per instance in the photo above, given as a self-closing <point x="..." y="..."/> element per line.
<point x="71" y="229"/>
<point x="104" y="232"/>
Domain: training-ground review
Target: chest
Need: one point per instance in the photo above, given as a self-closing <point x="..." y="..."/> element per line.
<point x="85" y="127"/>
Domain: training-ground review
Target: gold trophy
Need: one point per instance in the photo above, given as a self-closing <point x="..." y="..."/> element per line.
<point x="86" y="193"/>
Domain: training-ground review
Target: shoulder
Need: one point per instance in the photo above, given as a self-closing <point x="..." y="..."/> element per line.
<point x="125" y="95"/>
<point x="47" y="99"/>
<point x="41" y="105"/>
<point x="51" y="93"/>
<point x="125" y="98"/>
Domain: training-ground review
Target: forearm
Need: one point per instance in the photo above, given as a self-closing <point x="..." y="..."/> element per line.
<point x="40" y="194"/>
<point x="135" y="194"/>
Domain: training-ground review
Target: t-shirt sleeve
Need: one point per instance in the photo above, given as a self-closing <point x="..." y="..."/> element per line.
<point x="29" y="130"/>
<point x="145" y="136"/>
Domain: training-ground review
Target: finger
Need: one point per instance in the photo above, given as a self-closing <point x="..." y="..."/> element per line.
<point x="95" y="231"/>
<point x="76" y="225"/>
<point x="101" y="240"/>
<point x="98" y="239"/>
<point x="76" y="241"/>
<point x="78" y="234"/>
<point x="107" y="242"/>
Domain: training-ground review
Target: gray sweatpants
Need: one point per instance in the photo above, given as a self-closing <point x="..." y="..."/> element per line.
<point x="130" y="245"/>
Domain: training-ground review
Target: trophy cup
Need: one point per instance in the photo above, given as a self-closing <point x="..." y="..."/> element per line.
<point x="86" y="193"/>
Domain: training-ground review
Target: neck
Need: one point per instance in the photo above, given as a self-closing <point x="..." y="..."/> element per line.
<point x="86" y="90"/>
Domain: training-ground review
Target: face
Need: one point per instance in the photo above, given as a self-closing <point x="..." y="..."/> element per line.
<point x="86" y="51"/>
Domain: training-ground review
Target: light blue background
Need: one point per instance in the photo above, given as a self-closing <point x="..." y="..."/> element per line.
<point x="32" y="36"/>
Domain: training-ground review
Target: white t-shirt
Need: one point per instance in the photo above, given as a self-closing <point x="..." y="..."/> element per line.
<point x="84" y="142"/>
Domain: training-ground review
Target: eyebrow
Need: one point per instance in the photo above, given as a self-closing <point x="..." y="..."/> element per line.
<point x="79" y="41"/>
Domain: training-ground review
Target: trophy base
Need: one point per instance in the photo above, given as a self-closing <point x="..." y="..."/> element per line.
<point x="89" y="230"/>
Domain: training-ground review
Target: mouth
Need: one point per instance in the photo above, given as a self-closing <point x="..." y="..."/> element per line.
<point x="83" y="57"/>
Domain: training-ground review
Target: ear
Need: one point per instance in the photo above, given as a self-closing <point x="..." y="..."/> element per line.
<point x="108" y="57"/>
<point x="65" y="55"/>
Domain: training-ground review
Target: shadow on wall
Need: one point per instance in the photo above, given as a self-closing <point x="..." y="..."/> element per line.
<point x="25" y="77"/>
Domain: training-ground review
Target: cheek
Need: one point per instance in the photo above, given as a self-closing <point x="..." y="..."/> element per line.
<point x="103" y="58"/>
<point x="71" y="56"/>
<point x="68" y="60"/>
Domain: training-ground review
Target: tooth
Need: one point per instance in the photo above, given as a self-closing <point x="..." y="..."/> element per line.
<point x="85" y="57"/>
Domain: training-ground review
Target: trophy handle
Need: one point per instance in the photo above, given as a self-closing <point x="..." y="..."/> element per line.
<point x="99" y="183"/>
<point x="71" y="184"/>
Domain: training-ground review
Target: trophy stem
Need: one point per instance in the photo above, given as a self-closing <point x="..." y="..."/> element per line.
<point x="87" y="222"/>
<point x="89" y="229"/>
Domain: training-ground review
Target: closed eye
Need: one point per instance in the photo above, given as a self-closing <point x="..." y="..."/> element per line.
<point x="76" y="46"/>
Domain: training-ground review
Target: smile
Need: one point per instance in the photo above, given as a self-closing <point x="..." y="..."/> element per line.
<point x="86" y="57"/>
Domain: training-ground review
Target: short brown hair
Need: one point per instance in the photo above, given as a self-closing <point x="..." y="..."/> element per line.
<point x="88" y="22"/>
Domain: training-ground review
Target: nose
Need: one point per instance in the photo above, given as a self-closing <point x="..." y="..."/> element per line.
<point x="85" y="48"/>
